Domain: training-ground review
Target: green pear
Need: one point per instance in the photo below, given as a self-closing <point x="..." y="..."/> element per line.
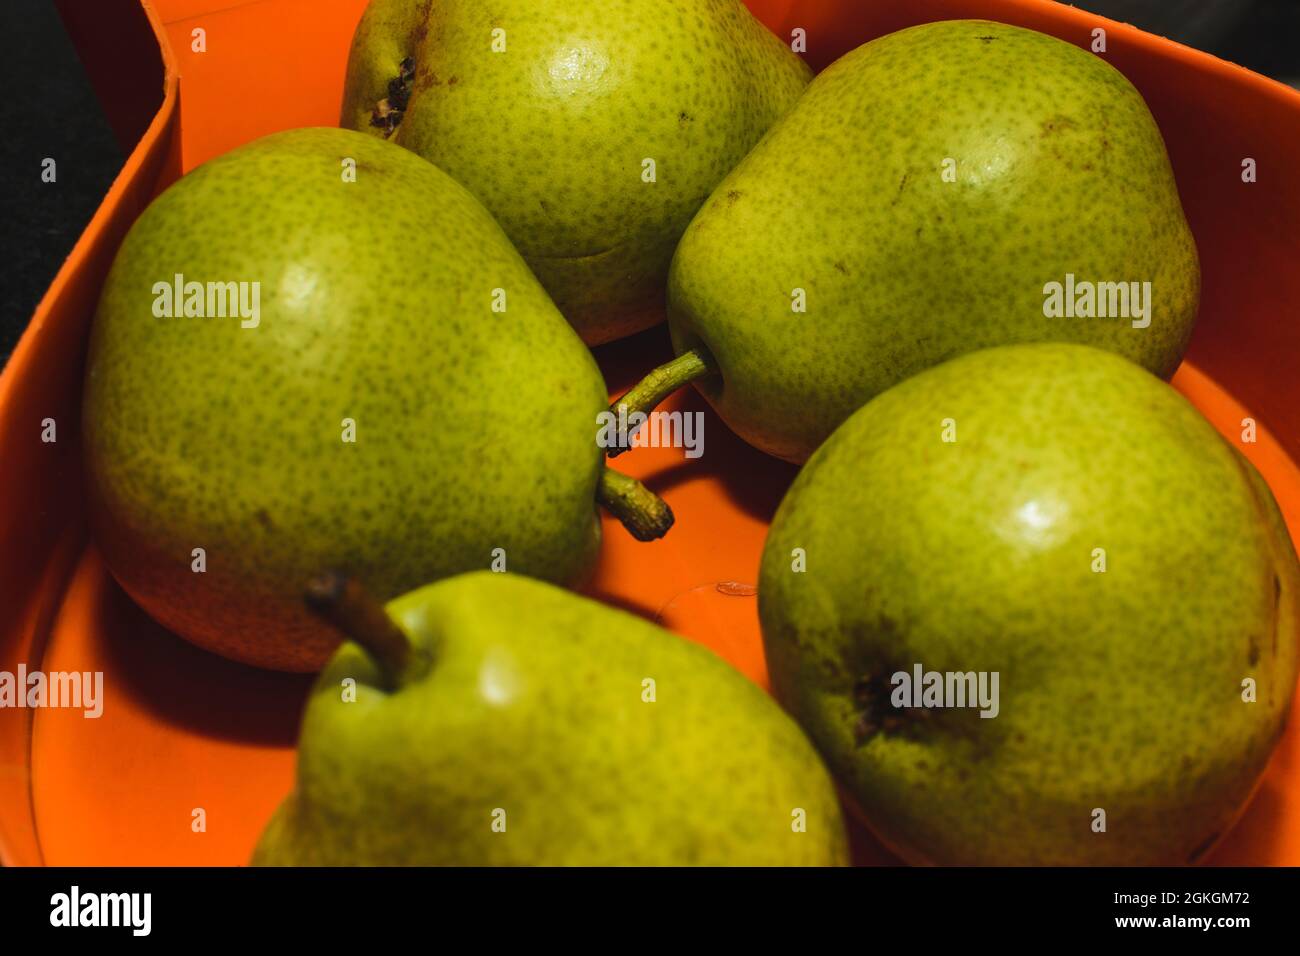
<point x="1053" y="515"/>
<point x="591" y="131"/>
<point x="350" y="399"/>
<point x="926" y="197"/>
<point x="491" y="719"/>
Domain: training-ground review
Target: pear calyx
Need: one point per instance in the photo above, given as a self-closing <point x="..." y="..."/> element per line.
<point x="388" y="111"/>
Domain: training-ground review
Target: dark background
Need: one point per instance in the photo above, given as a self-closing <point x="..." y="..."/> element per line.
<point x="49" y="109"/>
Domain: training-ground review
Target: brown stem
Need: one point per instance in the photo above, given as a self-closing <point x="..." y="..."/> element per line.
<point x="343" y="602"/>
<point x="646" y="394"/>
<point x="645" y="515"/>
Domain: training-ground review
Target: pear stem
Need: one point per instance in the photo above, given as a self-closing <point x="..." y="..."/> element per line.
<point x="344" y="603"/>
<point x="646" y="394"/>
<point x="645" y="515"/>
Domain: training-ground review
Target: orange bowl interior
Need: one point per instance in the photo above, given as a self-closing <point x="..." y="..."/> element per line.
<point x="183" y="730"/>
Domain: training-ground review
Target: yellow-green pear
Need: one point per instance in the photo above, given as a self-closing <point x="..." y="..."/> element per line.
<point x="950" y="187"/>
<point x="1033" y="609"/>
<point x="490" y="719"/>
<point x="592" y="131"/>
<point x="311" y="352"/>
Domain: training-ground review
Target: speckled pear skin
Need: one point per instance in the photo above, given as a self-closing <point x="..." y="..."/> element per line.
<point x="1060" y="169"/>
<point x="375" y="306"/>
<point x="551" y="133"/>
<point x="1119" y="690"/>
<point x="533" y="704"/>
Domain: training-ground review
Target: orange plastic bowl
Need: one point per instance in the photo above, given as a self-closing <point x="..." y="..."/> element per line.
<point x="183" y="731"/>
